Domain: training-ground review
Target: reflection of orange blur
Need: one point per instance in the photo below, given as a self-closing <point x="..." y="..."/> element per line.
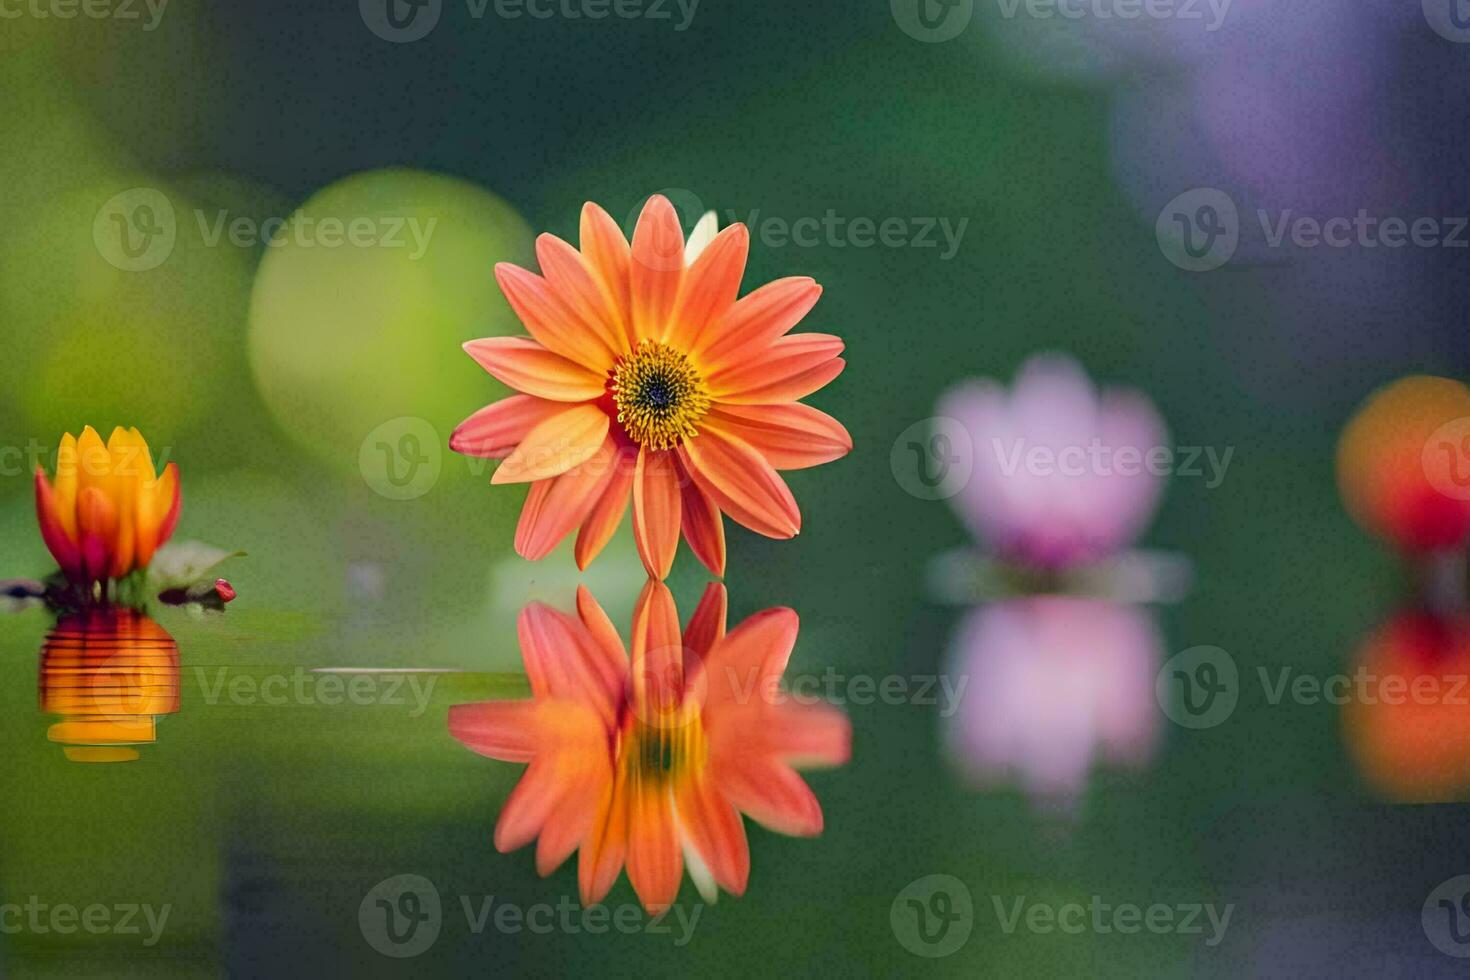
<point x="109" y="673"/>
<point x="1381" y="465"/>
<point x="1417" y="750"/>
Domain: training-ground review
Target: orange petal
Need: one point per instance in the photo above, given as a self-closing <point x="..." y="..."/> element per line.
<point x="703" y="526"/>
<point x="655" y="864"/>
<point x="606" y="844"/>
<point x="578" y="288"/>
<point x="504" y="730"/>
<point x="528" y="805"/>
<point x="66" y="551"/>
<point x="800" y="734"/>
<point x="709" y="287"/>
<point x="549" y="319"/>
<point x="557" y="780"/>
<point x="769" y="792"/>
<point x="555" y="506"/>
<point x="602" y="523"/>
<point x="656" y="510"/>
<point x="496" y="429"/>
<point x="575" y="812"/>
<point x="528" y="367"/>
<point x="786" y="358"/>
<point x="561" y="658"/>
<point x="658" y="653"/>
<point x="804" y="735"/>
<point x="608" y="258"/>
<point x="96" y="530"/>
<point x="556" y="444"/>
<point x="791" y="436"/>
<point x="706" y="626"/>
<point x="741" y="482"/>
<point x="157" y="525"/>
<point x="793" y="388"/>
<point x="745" y="667"/>
<point x="613" y="661"/>
<point x="715" y="829"/>
<point x="65" y="486"/>
<point x="657" y="268"/>
<point x="755" y="321"/>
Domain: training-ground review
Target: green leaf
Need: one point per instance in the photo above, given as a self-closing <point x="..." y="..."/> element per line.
<point x="181" y="565"/>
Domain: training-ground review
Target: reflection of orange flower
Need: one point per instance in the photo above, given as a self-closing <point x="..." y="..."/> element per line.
<point x="1407" y="718"/>
<point x="652" y="764"/>
<point x="645" y="376"/>
<point x="111" y="673"/>
<point x="107" y="511"/>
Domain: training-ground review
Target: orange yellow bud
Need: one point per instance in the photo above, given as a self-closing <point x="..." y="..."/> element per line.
<point x="1399" y="465"/>
<point x="107" y="510"/>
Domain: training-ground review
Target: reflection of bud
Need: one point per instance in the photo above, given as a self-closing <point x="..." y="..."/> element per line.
<point x="1407" y="720"/>
<point x="109" y="673"/>
<point x="1054" y="685"/>
<point x="1392" y="471"/>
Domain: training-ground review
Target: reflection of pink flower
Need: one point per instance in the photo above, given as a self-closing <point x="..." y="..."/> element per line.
<point x="1054" y="683"/>
<point x="1063" y="475"/>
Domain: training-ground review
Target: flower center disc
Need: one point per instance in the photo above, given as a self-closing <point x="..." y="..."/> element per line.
<point x="659" y="395"/>
<point x="664" y="751"/>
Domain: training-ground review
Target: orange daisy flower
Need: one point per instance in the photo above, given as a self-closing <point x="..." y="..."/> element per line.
<point x="645" y="376"/>
<point x="652" y="763"/>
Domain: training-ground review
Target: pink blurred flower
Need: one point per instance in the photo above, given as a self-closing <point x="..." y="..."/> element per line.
<point x="1062" y="473"/>
<point x="1055" y="684"/>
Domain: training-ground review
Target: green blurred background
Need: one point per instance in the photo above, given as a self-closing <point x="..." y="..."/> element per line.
<point x="263" y="372"/>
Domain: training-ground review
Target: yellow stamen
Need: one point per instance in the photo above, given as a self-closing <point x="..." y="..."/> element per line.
<point x="659" y="395"/>
<point x="663" y="751"/>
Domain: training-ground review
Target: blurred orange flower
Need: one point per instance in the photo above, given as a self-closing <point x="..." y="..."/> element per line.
<point x="652" y="763"/>
<point x="1400" y="464"/>
<point x="107" y="511"/>
<point x="645" y="376"/>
